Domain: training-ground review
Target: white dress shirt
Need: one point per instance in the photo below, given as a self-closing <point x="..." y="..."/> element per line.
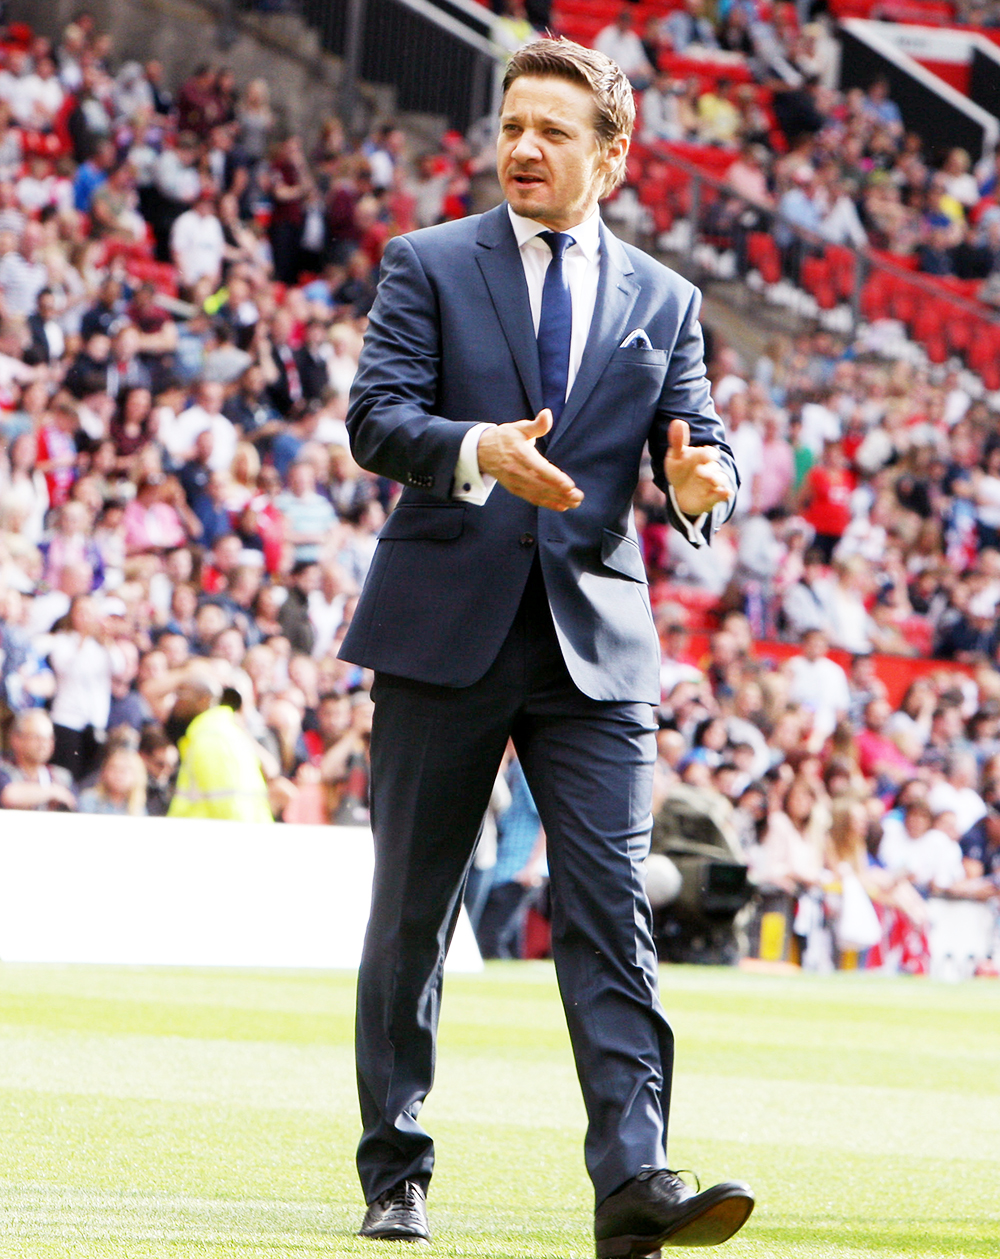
<point x="582" y="269"/>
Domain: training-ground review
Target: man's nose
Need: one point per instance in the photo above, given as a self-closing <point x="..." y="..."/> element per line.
<point x="526" y="149"/>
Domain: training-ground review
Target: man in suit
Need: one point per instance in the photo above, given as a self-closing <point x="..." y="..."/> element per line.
<point x="508" y="597"/>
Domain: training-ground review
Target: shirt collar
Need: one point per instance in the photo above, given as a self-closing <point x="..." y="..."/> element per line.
<point x="587" y="234"/>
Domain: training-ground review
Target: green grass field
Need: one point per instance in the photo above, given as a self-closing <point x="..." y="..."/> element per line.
<point x="191" y="1113"/>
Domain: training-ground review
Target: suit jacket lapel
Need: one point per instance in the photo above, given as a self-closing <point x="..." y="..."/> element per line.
<point x="617" y="290"/>
<point x="500" y="263"/>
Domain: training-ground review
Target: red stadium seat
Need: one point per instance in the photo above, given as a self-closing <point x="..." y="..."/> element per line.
<point x="160" y="274"/>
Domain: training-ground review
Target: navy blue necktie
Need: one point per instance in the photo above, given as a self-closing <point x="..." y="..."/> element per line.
<point x="555" y="326"/>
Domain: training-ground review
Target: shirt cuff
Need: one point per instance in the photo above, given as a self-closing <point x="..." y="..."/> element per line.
<point x="692" y="527"/>
<point x="469" y="484"/>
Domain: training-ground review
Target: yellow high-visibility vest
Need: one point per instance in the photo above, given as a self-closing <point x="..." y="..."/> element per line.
<point x="220" y="774"/>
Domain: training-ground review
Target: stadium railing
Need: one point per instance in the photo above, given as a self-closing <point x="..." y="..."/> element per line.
<point x="687" y="183"/>
<point x="438" y="55"/>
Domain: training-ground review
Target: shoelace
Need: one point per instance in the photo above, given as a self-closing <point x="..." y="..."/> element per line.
<point x="648" y="1173"/>
<point x="406" y="1195"/>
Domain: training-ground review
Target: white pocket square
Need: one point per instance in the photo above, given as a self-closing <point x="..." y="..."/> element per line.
<point x="636" y="340"/>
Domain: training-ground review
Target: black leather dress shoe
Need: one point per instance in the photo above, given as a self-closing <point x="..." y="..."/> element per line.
<point x="399" y="1214"/>
<point x="656" y="1208"/>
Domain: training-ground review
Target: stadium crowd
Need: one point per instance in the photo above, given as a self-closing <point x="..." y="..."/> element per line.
<point x="184" y="294"/>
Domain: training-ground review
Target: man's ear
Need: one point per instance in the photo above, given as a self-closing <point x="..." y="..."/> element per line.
<point x="612" y="165"/>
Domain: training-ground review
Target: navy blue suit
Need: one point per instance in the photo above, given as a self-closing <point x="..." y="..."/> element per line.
<point x="506" y="620"/>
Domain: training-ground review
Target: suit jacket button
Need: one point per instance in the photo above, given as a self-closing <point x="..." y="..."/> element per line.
<point x="527" y="539"/>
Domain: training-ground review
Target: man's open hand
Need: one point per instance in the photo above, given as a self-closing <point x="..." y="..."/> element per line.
<point x="698" y="479"/>
<point x="508" y="453"/>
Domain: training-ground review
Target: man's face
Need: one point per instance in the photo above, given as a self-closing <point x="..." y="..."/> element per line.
<point x="814" y="645"/>
<point x="549" y="161"/>
<point x="33" y="744"/>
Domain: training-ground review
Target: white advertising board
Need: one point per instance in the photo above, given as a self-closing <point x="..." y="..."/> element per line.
<point x="163" y="892"/>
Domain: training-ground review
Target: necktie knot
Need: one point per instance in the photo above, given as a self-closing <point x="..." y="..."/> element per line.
<point x="558" y="242"/>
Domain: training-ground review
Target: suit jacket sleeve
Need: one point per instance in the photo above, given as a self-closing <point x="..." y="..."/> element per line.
<point x="687" y="395"/>
<point x="394" y="431"/>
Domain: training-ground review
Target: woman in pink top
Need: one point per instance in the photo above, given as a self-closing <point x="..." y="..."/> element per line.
<point x="152" y="524"/>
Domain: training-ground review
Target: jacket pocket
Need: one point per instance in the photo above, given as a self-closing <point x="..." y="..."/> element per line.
<point x="623" y="555"/>
<point x="437" y="522"/>
<point x="640" y="354"/>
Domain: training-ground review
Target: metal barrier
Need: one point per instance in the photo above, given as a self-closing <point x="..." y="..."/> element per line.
<point x="941" y="313"/>
<point x="437" y="54"/>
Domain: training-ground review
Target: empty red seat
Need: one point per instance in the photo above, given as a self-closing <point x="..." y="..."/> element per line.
<point x="815" y="274"/>
<point x="161" y="275"/>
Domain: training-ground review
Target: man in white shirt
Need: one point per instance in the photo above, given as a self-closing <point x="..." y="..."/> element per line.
<point x="956" y="792"/>
<point x="206" y="413"/>
<point x="747" y="445"/>
<point x="516" y="366"/>
<point x="818" y="683"/>
<point x="15" y="86"/>
<point x="197" y="243"/>
<point x="661" y="118"/>
<point x="927" y="856"/>
<point x="620" y="42"/>
<point x="44" y="93"/>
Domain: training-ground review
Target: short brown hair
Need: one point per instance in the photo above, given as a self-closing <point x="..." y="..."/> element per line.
<point x="614" y="101"/>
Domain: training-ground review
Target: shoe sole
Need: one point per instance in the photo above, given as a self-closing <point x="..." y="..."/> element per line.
<point x="412" y="1238"/>
<point x="709" y="1226"/>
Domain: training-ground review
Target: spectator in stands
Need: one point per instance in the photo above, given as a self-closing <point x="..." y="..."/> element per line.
<point x="197" y="243"/>
<point x="818" y="683"/>
<point x="308" y="514"/>
<point x="718" y="117"/>
<point x="22" y="273"/>
<point x="620" y="42"/>
<point x="29" y="779"/>
<point x="661" y="118"/>
<point x="826" y="496"/>
<point x="920" y="852"/>
<point x="176" y="186"/>
<point x="291" y="184"/>
<point x="881" y="108"/>
<point x="153" y="523"/>
<point x="516" y="874"/>
<point x="121" y="785"/>
<point x="205" y="414"/>
<point x="83" y="657"/>
<point x="48" y="341"/>
<point x="879" y="756"/>
<point x="789" y="857"/>
<point x="980" y="846"/>
<point x="294" y="617"/>
<point x="198" y="106"/>
<point x="800" y="207"/>
<point x="254" y="122"/>
<point x="688" y="25"/>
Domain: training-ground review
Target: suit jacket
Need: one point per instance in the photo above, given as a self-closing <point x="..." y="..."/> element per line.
<point x="312" y="372"/>
<point x="39" y="341"/>
<point x="451" y="343"/>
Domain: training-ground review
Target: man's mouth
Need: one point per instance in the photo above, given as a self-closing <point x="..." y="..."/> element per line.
<point x="525" y="179"/>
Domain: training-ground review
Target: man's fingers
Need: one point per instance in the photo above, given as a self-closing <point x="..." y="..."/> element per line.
<point x="678" y="434"/>
<point x="712" y="474"/>
<point x="508" y="452"/>
<point x="532" y="477"/>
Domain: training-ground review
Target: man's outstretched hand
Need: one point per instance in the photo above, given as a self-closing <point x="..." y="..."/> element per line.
<point x="508" y="453"/>
<point x="697" y="477"/>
